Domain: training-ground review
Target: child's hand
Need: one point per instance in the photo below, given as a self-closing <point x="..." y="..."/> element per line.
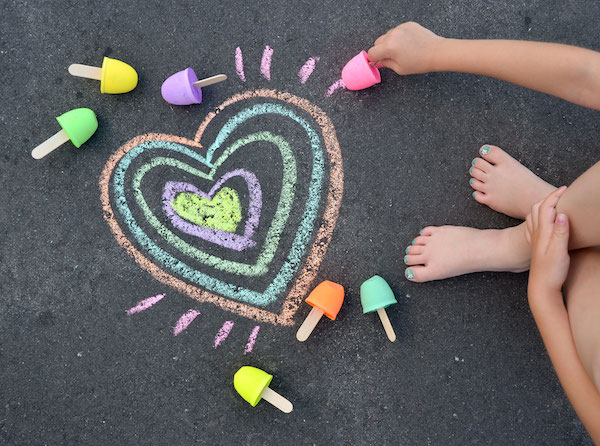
<point x="549" y="237"/>
<point x="407" y="49"/>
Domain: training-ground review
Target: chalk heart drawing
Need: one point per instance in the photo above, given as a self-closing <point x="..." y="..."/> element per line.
<point x="195" y="211"/>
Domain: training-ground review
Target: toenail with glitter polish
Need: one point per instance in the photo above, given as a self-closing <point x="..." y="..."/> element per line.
<point x="406" y="250"/>
<point x="484" y="150"/>
<point x="409" y="273"/>
<point x="406" y="259"/>
<point x="471" y="181"/>
<point x="474" y="161"/>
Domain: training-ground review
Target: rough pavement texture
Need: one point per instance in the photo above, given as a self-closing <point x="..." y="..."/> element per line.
<point x="469" y="366"/>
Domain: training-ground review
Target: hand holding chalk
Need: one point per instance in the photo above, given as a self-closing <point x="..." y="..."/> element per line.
<point x="184" y="88"/>
<point x="115" y="76"/>
<point x="327" y="299"/>
<point x="376" y="294"/>
<point x="359" y="74"/>
<point x="78" y="125"/>
<point x="253" y="384"/>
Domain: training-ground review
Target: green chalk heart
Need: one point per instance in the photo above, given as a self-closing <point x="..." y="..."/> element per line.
<point x="222" y="212"/>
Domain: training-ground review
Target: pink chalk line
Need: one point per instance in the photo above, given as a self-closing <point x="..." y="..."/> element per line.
<point x="239" y="64"/>
<point x="307" y="69"/>
<point x="265" y="64"/>
<point x="337" y="84"/>
<point x="184" y="321"/>
<point x="252" y="339"/>
<point x="144" y="304"/>
<point x="223" y="333"/>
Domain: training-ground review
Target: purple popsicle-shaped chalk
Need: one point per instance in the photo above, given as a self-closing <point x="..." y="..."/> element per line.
<point x="178" y="89"/>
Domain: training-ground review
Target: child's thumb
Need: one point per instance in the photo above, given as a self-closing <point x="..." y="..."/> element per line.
<point x="378" y="53"/>
<point x="560" y="233"/>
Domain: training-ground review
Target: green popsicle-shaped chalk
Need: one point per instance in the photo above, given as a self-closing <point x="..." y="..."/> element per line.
<point x="78" y="125"/>
<point x="376" y="295"/>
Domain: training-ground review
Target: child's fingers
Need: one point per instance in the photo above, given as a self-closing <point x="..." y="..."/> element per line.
<point x="535" y="212"/>
<point x="560" y="233"/>
<point x="547" y="212"/>
<point x="387" y="63"/>
<point x="529" y="228"/>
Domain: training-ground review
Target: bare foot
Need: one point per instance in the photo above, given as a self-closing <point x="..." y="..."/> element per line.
<point x="448" y="251"/>
<point x="504" y="184"/>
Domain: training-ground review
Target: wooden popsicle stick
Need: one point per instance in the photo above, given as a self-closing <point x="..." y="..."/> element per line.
<point x="385" y="321"/>
<point x="50" y="144"/>
<point x="277" y="400"/>
<point x="309" y="324"/>
<point x="85" y="71"/>
<point x="210" y="80"/>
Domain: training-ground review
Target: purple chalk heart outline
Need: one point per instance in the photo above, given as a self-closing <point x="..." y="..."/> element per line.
<point x="223" y="238"/>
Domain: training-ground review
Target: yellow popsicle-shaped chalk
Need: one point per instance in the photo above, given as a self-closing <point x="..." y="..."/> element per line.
<point x="253" y="384"/>
<point x="115" y="76"/>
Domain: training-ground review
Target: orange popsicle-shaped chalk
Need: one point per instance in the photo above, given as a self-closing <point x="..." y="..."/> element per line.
<point x="326" y="299"/>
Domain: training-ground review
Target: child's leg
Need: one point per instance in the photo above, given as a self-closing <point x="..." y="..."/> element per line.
<point x="582" y="295"/>
<point x="581" y="202"/>
<point x="504" y="184"/>
<point x="447" y="251"/>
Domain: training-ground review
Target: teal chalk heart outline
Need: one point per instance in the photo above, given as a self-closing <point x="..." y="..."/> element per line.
<point x="286" y="198"/>
<point x="301" y="239"/>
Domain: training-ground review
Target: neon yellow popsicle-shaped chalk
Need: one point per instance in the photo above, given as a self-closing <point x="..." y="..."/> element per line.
<point x="78" y="125"/>
<point x="115" y="76"/>
<point x="253" y="384"/>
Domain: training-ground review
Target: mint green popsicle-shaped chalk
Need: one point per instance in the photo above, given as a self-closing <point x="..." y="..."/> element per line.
<point x="78" y="125"/>
<point x="376" y="295"/>
<point x="253" y="384"/>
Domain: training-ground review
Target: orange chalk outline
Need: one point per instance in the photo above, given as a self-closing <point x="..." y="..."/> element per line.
<point x="322" y="238"/>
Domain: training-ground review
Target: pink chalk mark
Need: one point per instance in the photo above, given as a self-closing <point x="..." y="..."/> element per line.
<point x="307" y="69"/>
<point x="265" y="64"/>
<point x="239" y="64"/>
<point x="223" y="333"/>
<point x="337" y="84"/>
<point x="144" y="304"/>
<point x="184" y="321"/>
<point x="252" y="339"/>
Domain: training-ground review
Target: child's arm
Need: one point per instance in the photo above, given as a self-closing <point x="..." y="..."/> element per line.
<point x="549" y="235"/>
<point x="569" y="72"/>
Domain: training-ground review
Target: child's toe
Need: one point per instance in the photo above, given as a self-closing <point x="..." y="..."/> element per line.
<point x="492" y="154"/>
<point x="480" y="197"/>
<point x="417" y="273"/>
<point x="428" y="230"/>
<point x="481" y="164"/>
<point x="415" y="249"/>
<point x="414" y="259"/>
<point x="478" y="174"/>
<point x="477" y="185"/>
<point x="420" y="240"/>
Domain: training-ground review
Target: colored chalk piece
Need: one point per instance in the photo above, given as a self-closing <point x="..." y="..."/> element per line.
<point x="359" y="74"/>
<point x="184" y="88"/>
<point x="376" y="295"/>
<point x="253" y="385"/>
<point x="78" y="125"/>
<point x="115" y="76"/>
<point x="326" y="299"/>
